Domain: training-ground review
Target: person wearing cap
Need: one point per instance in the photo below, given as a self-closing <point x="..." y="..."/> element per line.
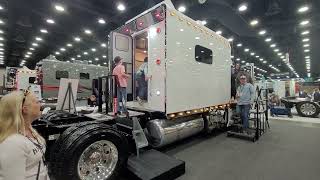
<point x="122" y="83"/>
<point x="245" y="97"/>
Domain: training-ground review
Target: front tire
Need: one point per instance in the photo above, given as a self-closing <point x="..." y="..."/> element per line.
<point x="89" y="151"/>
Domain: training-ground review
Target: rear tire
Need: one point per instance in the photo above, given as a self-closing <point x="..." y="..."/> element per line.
<point x="308" y="109"/>
<point x="89" y="151"/>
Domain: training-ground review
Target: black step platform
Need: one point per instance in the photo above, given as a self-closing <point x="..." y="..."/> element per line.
<point x="251" y="136"/>
<point x="154" y="165"/>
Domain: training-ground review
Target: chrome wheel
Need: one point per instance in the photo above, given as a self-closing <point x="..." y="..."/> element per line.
<point x="308" y="109"/>
<point x="98" y="161"/>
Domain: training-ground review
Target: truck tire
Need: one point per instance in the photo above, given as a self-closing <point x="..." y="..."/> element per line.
<point x="89" y="151"/>
<point x="308" y="109"/>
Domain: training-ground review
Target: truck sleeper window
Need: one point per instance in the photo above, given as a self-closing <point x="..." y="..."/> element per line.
<point x="203" y="55"/>
<point x="84" y="76"/>
<point x="62" y="74"/>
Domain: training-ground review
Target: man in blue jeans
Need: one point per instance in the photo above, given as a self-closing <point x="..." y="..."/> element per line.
<point x="245" y="97"/>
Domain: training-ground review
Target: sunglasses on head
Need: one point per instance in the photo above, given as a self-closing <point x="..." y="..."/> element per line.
<point x="25" y="94"/>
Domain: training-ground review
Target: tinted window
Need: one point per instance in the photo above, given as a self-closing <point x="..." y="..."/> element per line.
<point x="32" y="80"/>
<point x="84" y="76"/>
<point x="62" y="74"/>
<point x="203" y="55"/>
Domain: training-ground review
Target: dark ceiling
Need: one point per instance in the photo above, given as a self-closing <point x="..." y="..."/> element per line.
<point x="23" y="20"/>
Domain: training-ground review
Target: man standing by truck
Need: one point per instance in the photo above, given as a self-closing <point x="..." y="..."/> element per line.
<point x="122" y="83"/>
<point x="245" y="97"/>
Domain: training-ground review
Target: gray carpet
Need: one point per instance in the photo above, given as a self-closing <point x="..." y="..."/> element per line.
<point x="289" y="150"/>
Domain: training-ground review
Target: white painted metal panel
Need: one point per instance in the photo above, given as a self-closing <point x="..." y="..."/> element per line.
<point x="156" y="51"/>
<point x="190" y="84"/>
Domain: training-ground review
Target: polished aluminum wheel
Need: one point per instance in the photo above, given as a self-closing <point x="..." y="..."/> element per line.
<point x="98" y="161"/>
<point x="308" y="109"/>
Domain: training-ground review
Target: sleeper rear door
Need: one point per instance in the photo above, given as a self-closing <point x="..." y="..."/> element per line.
<point x="122" y="46"/>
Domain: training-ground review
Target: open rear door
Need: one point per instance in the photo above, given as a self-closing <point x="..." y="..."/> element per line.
<point x="121" y="45"/>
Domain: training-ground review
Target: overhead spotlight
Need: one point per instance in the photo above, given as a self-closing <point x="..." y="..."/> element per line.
<point x="77" y="39"/>
<point x="254" y="22"/>
<point x="230" y="39"/>
<point x="104" y="56"/>
<point x="73" y="59"/>
<point x="50" y="21"/>
<point x="59" y="7"/>
<point x="1" y="7"/>
<point x="307" y="50"/>
<point x="27" y="56"/>
<point x="85" y="53"/>
<point x="182" y="9"/>
<point x="32" y="49"/>
<point x="303" y="9"/>
<point x="1" y="44"/>
<point x="273" y="45"/>
<point x="101" y="21"/>
<point x="246" y="50"/>
<point x="1" y="21"/>
<point x="93" y="50"/>
<point x="1" y="32"/>
<point x="242" y="7"/>
<point x="43" y="31"/>
<point x="57" y="53"/>
<point x="282" y="57"/>
<point x="276" y="50"/>
<point x="262" y="32"/>
<point x="29" y="53"/>
<point x="35" y="44"/>
<point x="69" y="45"/>
<point x="252" y="54"/>
<point x="306" y="40"/>
<point x="279" y="54"/>
<point x="268" y="39"/>
<point x="219" y="32"/>
<point x="305" y="32"/>
<point x="257" y="56"/>
<point x="306" y="45"/>
<point x="62" y="49"/>
<point x="307" y="57"/>
<point x="87" y="31"/>
<point x="305" y="22"/>
<point x="38" y="39"/>
<point x="121" y="7"/>
<point x="239" y="45"/>
<point x="79" y="56"/>
<point x="1" y="39"/>
<point x="261" y="59"/>
<point x="97" y="59"/>
<point x="103" y="45"/>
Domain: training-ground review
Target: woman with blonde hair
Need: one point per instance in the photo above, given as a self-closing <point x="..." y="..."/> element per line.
<point x="21" y="147"/>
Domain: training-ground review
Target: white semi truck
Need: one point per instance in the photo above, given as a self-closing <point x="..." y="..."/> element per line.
<point x="188" y="93"/>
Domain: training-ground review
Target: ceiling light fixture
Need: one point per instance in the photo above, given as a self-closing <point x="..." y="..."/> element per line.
<point x="305" y="22"/>
<point x="62" y="49"/>
<point x="93" y="50"/>
<point x="268" y="39"/>
<point x="97" y="59"/>
<point x="27" y="56"/>
<point x="305" y="32"/>
<point x="276" y="50"/>
<point x="87" y="31"/>
<point x="121" y="7"/>
<point x="242" y="7"/>
<point x="182" y="9"/>
<point x="262" y="32"/>
<point x="306" y="45"/>
<point x="303" y="9"/>
<point x="29" y="53"/>
<point x="305" y="40"/>
<point x="104" y="56"/>
<point x="101" y="21"/>
<point x="32" y="49"/>
<point x="69" y="45"/>
<point x="246" y="50"/>
<point x="1" y="22"/>
<point x="254" y="22"/>
<point x="103" y="45"/>
<point x="59" y="7"/>
<point x="77" y="39"/>
<point x="273" y="45"/>
<point x="204" y="22"/>
<point x="219" y="32"/>
<point x="230" y="39"/>
<point x="35" y="44"/>
<point x="239" y="45"/>
<point x="78" y="56"/>
<point x="44" y="31"/>
<point x="38" y="39"/>
<point x="85" y="53"/>
<point x="57" y="53"/>
<point x="307" y="50"/>
<point x="1" y="32"/>
<point x="50" y="21"/>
